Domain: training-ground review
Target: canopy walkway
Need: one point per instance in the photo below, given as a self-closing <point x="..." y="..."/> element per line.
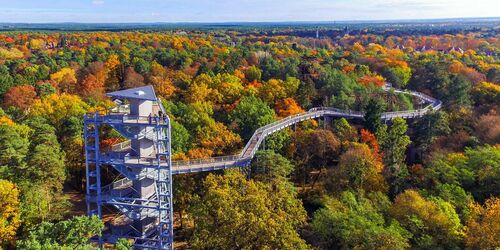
<point x="248" y="152"/>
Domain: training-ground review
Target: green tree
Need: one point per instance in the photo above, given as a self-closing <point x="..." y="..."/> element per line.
<point x="291" y="85"/>
<point x="69" y="234"/>
<point x="354" y="221"/>
<point x="6" y="80"/>
<point x="485" y="164"/>
<point x="41" y="203"/>
<point x="277" y="141"/>
<point x="123" y="244"/>
<point x="477" y="171"/>
<point x="334" y="81"/>
<point x="373" y="112"/>
<point x="45" y="89"/>
<point x="13" y="150"/>
<point x="342" y="101"/>
<point x="271" y="68"/>
<point x="250" y="114"/>
<point x="394" y="143"/>
<point x="181" y="139"/>
<point x="235" y="213"/>
<point x="398" y="76"/>
<point x="457" y="197"/>
<point x="486" y="93"/>
<point x="38" y="169"/>
<point x="434" y="76"/>
<point x="306" y="93"/>
<point x="430" y="126"/>
<point x="459" y="91"/>
<point x="268" y="166"/>
<point x="493" y="75"/>
<point x="45" y="160"/>
<point x="253" y="74"/>
<point x="344" y="131"/>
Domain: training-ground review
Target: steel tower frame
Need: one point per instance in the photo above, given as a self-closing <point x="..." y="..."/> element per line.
<point x="122" y="195"/>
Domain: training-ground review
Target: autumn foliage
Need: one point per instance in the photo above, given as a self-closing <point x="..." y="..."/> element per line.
<point x="20" y="97"/>
<point x="9" y="211"/>
<point x="424" y="183"/>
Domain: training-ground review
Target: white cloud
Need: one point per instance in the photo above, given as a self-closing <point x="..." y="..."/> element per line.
<point x="98" y="2"/>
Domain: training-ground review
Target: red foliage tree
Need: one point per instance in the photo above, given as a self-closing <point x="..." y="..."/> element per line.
<point x="20" y="96"/>
<point x="132" y="79"/>
<point x="370" y="139"/>
<point x="91" y="87"/>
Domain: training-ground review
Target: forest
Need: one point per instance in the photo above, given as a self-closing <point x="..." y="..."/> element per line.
<point x="426" y="183"/>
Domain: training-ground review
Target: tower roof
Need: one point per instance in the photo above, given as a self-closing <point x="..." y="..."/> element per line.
<point x="140" y="93"/>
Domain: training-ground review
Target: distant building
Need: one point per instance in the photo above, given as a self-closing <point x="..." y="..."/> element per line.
<point x="459" y="50"/>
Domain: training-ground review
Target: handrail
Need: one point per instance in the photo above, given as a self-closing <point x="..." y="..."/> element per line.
<point x="205" y="160"/>
<point x="121" y="146"/>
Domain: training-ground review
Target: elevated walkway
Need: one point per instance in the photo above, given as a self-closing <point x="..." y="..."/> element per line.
<point x="246" y="155"/>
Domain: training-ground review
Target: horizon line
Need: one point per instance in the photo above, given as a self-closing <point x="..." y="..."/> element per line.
<point x="491" y="19"/>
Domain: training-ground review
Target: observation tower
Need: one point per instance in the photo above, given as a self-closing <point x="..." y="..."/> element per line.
<point x="142" y="198"/>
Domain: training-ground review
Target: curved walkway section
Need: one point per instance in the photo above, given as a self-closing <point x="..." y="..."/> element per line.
<point x="246" y="155"/>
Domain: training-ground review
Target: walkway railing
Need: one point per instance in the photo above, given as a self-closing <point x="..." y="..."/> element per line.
<point x="205" y="161"/>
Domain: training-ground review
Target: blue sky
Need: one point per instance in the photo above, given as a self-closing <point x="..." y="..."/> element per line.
<point x="121" y="11"/>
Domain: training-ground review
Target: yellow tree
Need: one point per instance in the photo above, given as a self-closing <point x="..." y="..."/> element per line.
<point x="483" y="227"/>
<point x="287" y="107"/>
<point x="161" y="81"/>
<point x="200" y="91"/>
<point x="112" y="62"/>
<point x="55" y="108"/>
<point x="272" y="90"/>
<point x="218" y="138"/>
<point x="111" y="65"/>
<point x="433" y="223"/>
<point x="487" y="93"/>
<point x="65" y="79"/>
<point x="228" y="86"/>
<point x="9" y="211"/>
<point x="37" y="44"/>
